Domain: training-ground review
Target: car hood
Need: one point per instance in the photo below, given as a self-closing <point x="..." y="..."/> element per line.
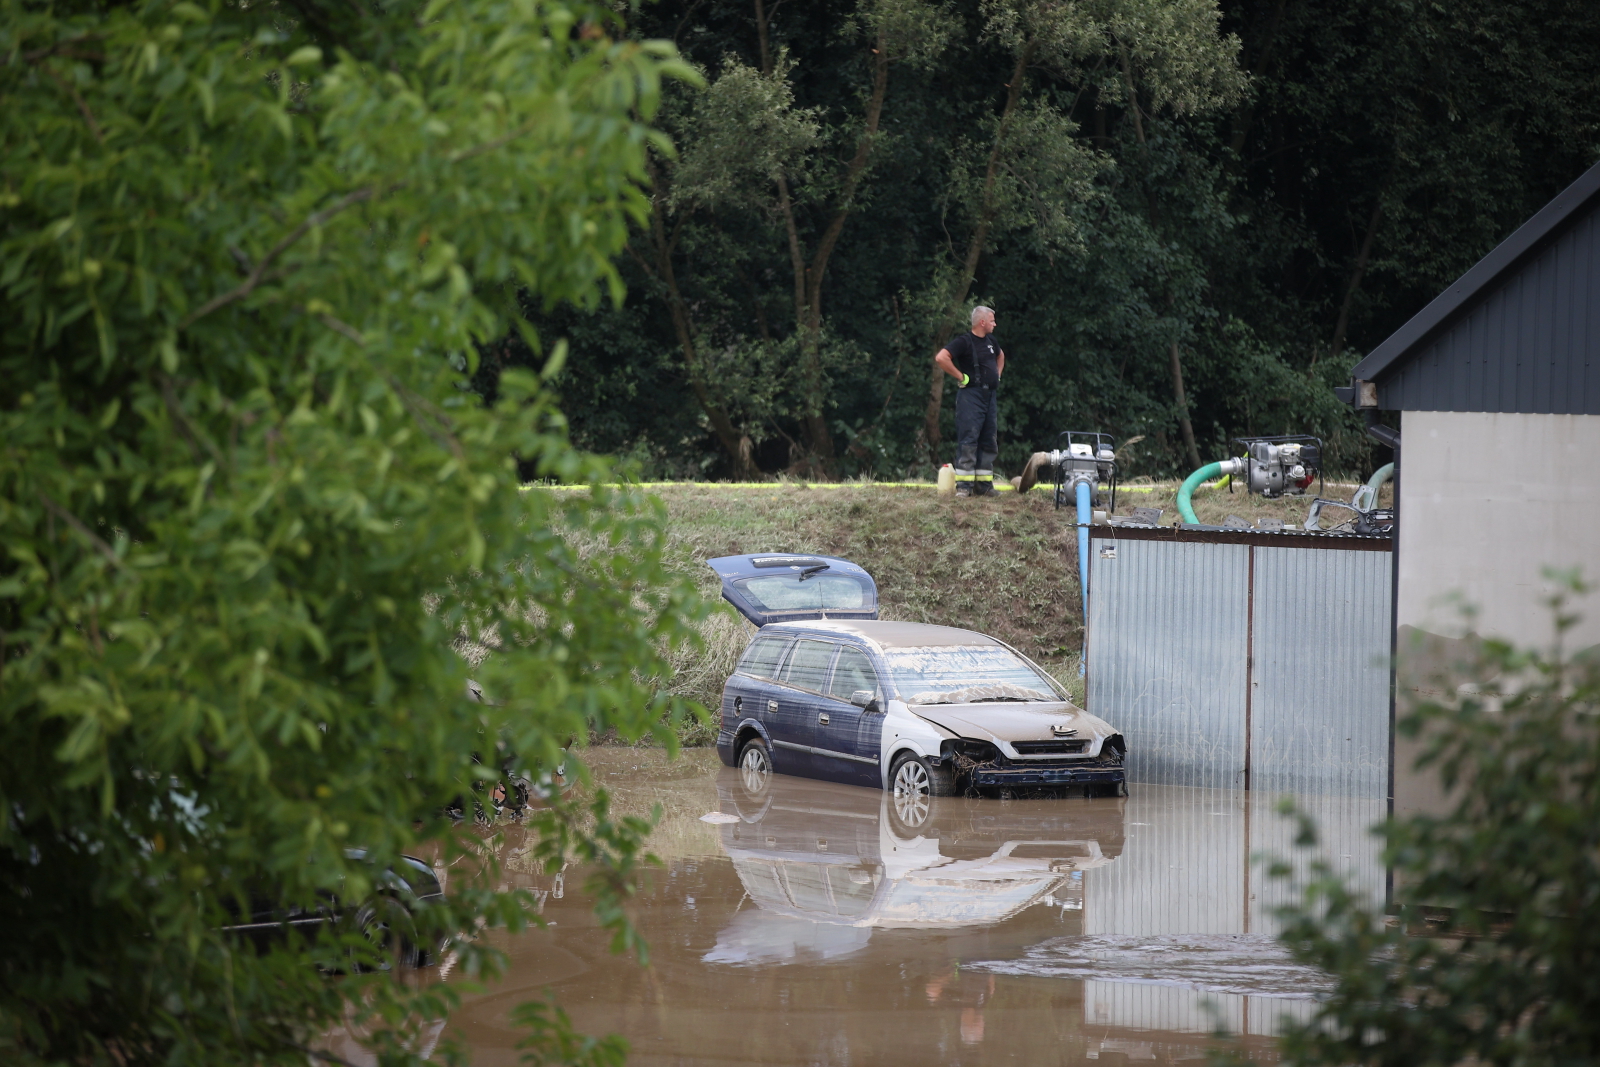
<point x="1013" y="722"/>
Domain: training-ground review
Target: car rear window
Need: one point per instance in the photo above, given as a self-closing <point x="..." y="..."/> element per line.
<point x="808" y="665"/>
<point x="819" y="592"/>
<point x="761" y="658"/>
<point x="962" y="674"/>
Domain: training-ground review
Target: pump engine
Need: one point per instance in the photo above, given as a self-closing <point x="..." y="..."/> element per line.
<point x="1281" y="466"/>
<point x="1084" y="457"/>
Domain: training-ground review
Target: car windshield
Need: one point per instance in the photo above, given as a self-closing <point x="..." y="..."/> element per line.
<point x="808" y="592"/>
<point x="965" y="675"/>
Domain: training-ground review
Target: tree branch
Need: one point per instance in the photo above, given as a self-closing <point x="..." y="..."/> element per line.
<point x="852" y="175"/>
<point x="77" y="524"/>
<point x="644" y="264"/>
<point x="176" y="411"/>
<point x="421" y="410"/>
<point x="62" y="48"/>
<point x="83" y="106"/>
<point x="732" y="441"/>
<point x="260" y="273"/>
<point x="1133" y="93"/>
<point x="1356" y="274"/>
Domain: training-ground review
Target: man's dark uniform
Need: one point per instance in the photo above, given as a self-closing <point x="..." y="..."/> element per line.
<point x="976" y="438"/>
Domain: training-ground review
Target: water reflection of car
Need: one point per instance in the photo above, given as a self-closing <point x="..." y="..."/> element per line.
<point x="854" y="860"/>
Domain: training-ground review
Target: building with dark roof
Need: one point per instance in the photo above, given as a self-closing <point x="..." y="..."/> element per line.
<point x="1497" y="383"/>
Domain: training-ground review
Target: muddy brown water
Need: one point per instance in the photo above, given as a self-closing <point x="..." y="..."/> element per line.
<point x="808" y="923"/>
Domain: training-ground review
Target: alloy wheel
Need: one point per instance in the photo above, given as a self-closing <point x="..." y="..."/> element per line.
<point x="754" y="768"/>
<point x="911" y="792"/>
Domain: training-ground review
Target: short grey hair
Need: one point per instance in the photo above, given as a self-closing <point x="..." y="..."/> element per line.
<point x="980" y="312"/>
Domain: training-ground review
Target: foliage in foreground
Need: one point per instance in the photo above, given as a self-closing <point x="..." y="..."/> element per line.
<point x="247" y="505"/>
<point x="1504" y="970"/>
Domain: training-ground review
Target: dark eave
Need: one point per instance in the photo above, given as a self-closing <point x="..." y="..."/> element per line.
<point x="1528" y="238"/>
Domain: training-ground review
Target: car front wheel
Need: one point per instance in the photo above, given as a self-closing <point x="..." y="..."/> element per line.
<point x="912" y="781"/>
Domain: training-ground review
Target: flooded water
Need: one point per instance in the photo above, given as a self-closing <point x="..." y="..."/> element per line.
<point x="810" y="923"/>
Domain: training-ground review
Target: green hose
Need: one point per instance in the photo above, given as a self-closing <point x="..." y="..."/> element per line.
<point x="1190" y="484"/>
<point x="1379" y="476"/>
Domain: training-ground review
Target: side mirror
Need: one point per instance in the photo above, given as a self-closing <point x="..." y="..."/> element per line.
<point x="864" y="699"/>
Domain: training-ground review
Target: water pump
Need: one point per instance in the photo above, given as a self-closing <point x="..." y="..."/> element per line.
<point x="1085" y="458"/>
<point x="1281" y="466"/>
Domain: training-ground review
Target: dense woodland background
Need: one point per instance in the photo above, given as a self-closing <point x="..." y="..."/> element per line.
<point x="1236" y="200"/>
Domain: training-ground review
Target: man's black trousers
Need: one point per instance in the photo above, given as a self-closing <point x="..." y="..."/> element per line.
<point x="977" y="439"/>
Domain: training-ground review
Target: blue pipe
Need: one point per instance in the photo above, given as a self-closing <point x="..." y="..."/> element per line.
<point x="1085" y="517"/>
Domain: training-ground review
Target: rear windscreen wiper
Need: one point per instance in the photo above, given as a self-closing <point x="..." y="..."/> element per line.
<point x="809" y="571"/>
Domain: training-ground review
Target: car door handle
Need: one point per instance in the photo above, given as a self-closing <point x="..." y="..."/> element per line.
<point x="823" y="718"/>
<point x="772" y="705"/>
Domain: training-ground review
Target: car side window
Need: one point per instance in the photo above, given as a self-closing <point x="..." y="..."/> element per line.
<point x="761" y="659"/>
<point x="852" y="672"/>
<point x="808" y="665"/>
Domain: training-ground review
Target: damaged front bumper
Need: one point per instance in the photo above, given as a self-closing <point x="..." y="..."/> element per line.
<point x="1057" y="775"/>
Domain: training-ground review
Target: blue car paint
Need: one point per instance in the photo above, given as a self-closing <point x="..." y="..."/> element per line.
<point x="798" y="743"/>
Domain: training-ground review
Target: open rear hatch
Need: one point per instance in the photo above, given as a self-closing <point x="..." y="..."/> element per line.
<point x="792" y="587"/>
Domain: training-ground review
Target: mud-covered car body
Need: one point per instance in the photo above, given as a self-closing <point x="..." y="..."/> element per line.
<point x="851" y="701"/>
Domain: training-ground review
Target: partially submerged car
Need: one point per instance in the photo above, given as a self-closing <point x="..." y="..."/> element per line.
<point x="827" y="690"/>
<point x="386" y="918"/>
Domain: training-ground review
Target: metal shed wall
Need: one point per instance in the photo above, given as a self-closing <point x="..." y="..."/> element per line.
<point x="1231" y="664"/>
<point x="1530" y="343"/>
<point x="1319" y="706"/>
<point x="1167" y="626"/>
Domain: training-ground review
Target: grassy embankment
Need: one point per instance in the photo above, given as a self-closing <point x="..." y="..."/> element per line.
<point x="1005" y="564"/>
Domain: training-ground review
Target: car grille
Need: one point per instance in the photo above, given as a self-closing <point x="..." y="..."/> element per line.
<point x="1050" y="748"/>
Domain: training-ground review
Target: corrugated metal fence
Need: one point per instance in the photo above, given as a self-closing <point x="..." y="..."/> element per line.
<point x="1240" y="660"/>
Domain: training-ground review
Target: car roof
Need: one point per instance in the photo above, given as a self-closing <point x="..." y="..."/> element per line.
<point x="887" y="635"/>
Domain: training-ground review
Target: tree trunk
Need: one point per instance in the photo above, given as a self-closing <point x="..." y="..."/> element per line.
<point x="1183" y="408"/>
<point x="808" y="278"/>
<point x="976" y="244"/>
<point x="1356" y="275"/>
<point x="1246" y="118"/>
<point x="734" y="443"/>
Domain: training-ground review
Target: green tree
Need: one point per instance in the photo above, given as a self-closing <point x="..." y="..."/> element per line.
<point x="1375" y="151"/>
<point x="248" y="508"/>
<point x="1493" y="957"/>
<point x="1150" y="58"/>
<point x="798" y="174"/>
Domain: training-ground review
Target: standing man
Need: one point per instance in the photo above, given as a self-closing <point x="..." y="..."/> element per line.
<point x="977" y="361"/>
